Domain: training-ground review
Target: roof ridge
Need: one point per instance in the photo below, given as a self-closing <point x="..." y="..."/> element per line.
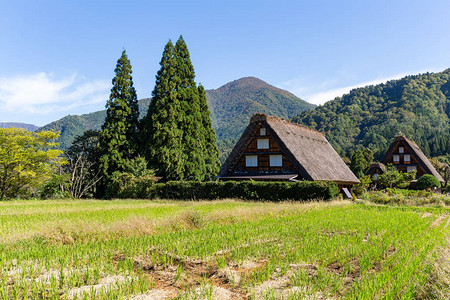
<point x="406" y="139"/>
<point x="257" y="117"/>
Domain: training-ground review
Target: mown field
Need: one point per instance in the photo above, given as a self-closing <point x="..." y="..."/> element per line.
<point x="137" y="249"/>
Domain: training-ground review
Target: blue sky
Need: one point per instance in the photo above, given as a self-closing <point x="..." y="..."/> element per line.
<point x="58" y="57"/>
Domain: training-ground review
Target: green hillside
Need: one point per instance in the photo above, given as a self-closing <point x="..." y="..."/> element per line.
<point x="233" y="104"/>
<point x="73" y="125"/>
<point x="231" y="107"/>
<point x="416" y="106"/>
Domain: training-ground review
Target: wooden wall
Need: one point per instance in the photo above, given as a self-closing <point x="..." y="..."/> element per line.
<point x="264" y="156"/>
<point x="402" y="164"/>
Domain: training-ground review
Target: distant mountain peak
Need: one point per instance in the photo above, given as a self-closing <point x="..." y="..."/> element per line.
<point x="234" y="103"/>
<point x="253" y="84"/>
<point x="29" y="127"/>
<point x="246" y="82"/>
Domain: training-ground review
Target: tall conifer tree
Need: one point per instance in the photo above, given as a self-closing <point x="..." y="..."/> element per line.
<point x="177" y="141"/>
<point x="212" y="163"/>
<point x="162" y="133"/>
<point x="193" y="138"/>
<point x="119" y="132"/>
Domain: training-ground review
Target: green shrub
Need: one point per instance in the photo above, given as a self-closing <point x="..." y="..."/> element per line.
<point x="56" y="187"/>
<point x="136" y="182"/>
<point x="125" y="185"/>
<point x="427" y="181"/>
<point x="406" y="197"/>
<point x="249" y="190"/>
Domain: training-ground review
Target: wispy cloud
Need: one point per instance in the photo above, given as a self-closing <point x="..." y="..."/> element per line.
<point x="328" y="90"/>
<point x="322" y="97"/>
<point x="44" y="94"/>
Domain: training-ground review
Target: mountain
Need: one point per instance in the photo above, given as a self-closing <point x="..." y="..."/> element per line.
<point x="415" y="106"/>
<point x="231" y="107"/>
<point x="233" y="104"/>
<point x="73" y="125"/>
<point x="29" y="127"/>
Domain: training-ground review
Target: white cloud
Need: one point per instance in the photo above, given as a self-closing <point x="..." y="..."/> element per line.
<point x="327" y="90"/>
<point x="43" y="94"/>
<point x="322" y="97"/>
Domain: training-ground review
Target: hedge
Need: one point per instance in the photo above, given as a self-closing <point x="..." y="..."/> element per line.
<point x="248" y="190"/>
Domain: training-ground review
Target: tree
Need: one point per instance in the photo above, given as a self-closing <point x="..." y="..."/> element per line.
<point x="193" y="140"/>
<point x="393" y="178"/>
<point x="27" y="159"/>
<point x="133" y="182"/>
<point x="368" y="156"/>
<point x="361" y="161"/>
<point x="212" y="162"/>
<point x="118" y="137"/>
<point x="83" y="169"/>
<point x="161" y="130"/>
<point x="364" y="183"/>
<point x="442" y="165"/>
<point x="177" y="129"/>
<point x="358" y="163"/>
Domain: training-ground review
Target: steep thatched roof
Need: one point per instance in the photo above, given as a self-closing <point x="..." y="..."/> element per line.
<point x="381" y="166"/>
<point x="308" y="149"/>
<point x="374" y="167"/>
<point x="415" y="150"/>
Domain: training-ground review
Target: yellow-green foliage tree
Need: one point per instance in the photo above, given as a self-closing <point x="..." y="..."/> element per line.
<point x="27" y="159"/>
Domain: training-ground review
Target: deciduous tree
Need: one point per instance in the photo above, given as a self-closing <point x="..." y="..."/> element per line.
<point x="83" y="169"/>
<point x="393" y="178"/>
<point x="27" y="159"/>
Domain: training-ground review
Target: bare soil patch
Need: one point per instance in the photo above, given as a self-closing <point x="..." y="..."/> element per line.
<point x="104" y="283"/>
<point x="205" y="277"/>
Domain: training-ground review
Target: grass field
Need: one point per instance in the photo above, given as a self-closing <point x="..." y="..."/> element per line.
<point x="137" y="249"/>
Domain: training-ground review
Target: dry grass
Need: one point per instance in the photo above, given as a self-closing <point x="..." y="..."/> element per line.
<point x="192" y="215"/>
<point x="438" y="285"/>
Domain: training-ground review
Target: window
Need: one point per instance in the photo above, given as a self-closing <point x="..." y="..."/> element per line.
<point x="263" y="143"/>
<point x="276" y="160"/>
<point x="407" y="158"/>
<point x="251" y="161"/>
<point x="262" y="131"/>
<point x="401" y="150"/>
<point x="411" y="168"/>
<point x="396" y="158"/>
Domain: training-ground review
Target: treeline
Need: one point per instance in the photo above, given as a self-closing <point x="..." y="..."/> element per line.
<point x="415" y="106"/>
<point x="174" y="141"/>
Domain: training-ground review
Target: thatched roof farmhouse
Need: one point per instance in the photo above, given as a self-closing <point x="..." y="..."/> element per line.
<point x="274" y="149"/>
<point x="405" y="156"/>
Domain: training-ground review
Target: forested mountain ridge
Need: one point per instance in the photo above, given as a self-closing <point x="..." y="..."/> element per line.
<point x="73" y="125"/>
<point x="29" y="127"/>
<point x="234" y="103"/>
<point x="415" y="106"/>
<point x="231" y="107"/>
